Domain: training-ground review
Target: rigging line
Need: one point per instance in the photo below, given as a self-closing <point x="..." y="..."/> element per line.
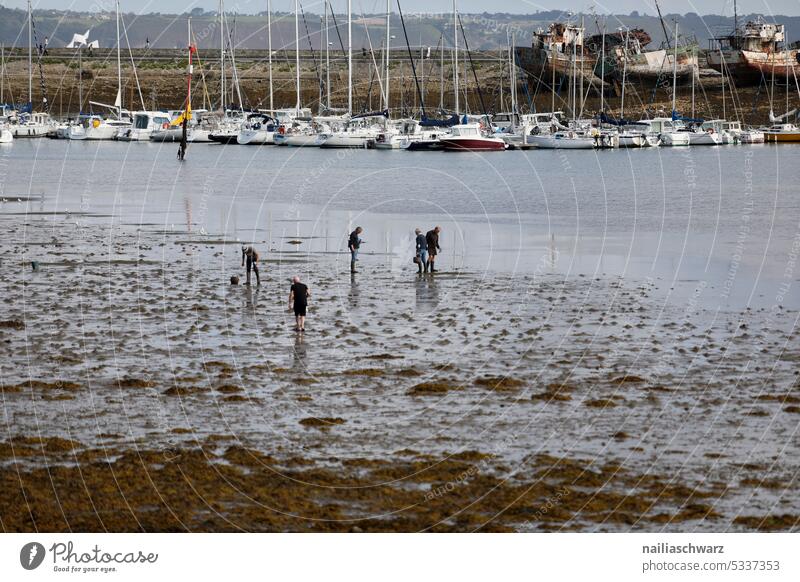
<point x="133" y="65"/>
<point x="372" y="54"/>
<point x="411" y="58"/>
<point x="40" y="54"/>
<point x="338" y="34"/>
<point x="311" y="46"/>
<point x="474" y="72"/>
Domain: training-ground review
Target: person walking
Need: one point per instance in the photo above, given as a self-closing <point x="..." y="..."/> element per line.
<point x="298" y="301"/>
<point x="354" y="243"/>
<point x="421" y="251"/>
<point x="249" y="253"/>
<point x="432" y="240"/>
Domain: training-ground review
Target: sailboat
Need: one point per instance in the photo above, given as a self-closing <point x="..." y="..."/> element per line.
<point x="562" y="137"/>
<point x="227" y="131"/>
<point x="358" y="131"/>
<point x="260" y="128"/>
<point x="466" y="135"/>
<point x="27" y="122"/>
<point x="781" y="131"/>
<point x="298" y="129"/>
<point x="95" y="127"/>
<point x="669" y="128"/>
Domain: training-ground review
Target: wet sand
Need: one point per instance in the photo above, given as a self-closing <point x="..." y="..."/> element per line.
<point x="141" y="391"/>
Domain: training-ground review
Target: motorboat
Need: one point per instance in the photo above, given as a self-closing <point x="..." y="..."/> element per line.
<point x="729" y="131"/>
<point x="27" y="125"/>
<point x="94" y="127"/>
<point x="665" y="129"/>
<point x="144" y="123"/>
<point x="471" y="137"/>
<point x="750" y="136"/>
<point x="782" y="133"/>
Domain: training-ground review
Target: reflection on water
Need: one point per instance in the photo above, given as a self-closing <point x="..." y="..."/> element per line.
<point x="427" y="294"/>
<point x="353" y="294"/>
<point x="300" y="354"/>
<point x="724" y="215"/>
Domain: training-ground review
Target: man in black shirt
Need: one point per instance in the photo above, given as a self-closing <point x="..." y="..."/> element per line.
<point x="298" y="300"/>
<point x="354" y="243"/>
<point x="432" y="238"/>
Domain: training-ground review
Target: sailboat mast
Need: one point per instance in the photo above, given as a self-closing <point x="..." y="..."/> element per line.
<point x="664" y="26"/>
<point x="455" y="49"/>
<point x="674" y="69"/>
<point x="693" y="76"/>
<point x="80" y="80"/>
<point x="624" y="71"/>
<point x="222" y="55"/>
<point x="553" y="83"/>
<point x="581" y="66"/>
<point x="603" y="71"/>
<point x="30" y="53"/>
<point x="388" y="49"/>
<point x="327" y="57"/>
<point x="350" y="57"/>
<point x="269" y="50"/>
<point x="787" y="83"/>
<point x="119" y="67"/>
<point x="441" y="76"/>
<point x="297" y="51"/>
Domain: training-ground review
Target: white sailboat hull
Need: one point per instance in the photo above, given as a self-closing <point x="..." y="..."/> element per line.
<point x="134" y="134"/>
<point x="633" y="140"/>
<point x="344" y="140"/>
<point x="6" y="136"/>
<point x="550" y="142"/>
<point x="256" y="137"/>
<point x="101" y="132"/>
<point x="674" y="139"/>
<point x="704" y="138"/>
<point x="298" y="141"/>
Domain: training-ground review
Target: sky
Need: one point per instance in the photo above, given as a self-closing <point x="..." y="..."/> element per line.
<point x="787" y="7"/>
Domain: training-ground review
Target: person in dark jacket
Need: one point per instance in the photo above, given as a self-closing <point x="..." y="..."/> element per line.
<point x="252" y="263"/>
<point x="354" y="243"/>
<point x="421" y="251"/>
<point x="432" y="238"/>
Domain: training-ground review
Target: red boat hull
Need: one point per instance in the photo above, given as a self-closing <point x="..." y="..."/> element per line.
<point x="472" y="145"/>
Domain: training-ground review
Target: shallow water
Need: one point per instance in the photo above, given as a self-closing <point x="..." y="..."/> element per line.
<point x="574" y="268"/>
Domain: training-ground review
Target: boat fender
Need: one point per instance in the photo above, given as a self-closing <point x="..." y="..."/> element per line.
<point x="165" y="125"/>
<point x="281" y="130"/>
<point x="95" y="123"/>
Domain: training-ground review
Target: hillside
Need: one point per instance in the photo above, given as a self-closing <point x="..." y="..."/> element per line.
<point x="485" y="31"/>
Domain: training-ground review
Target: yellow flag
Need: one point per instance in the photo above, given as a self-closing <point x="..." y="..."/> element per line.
<point x="179" y="120"/>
